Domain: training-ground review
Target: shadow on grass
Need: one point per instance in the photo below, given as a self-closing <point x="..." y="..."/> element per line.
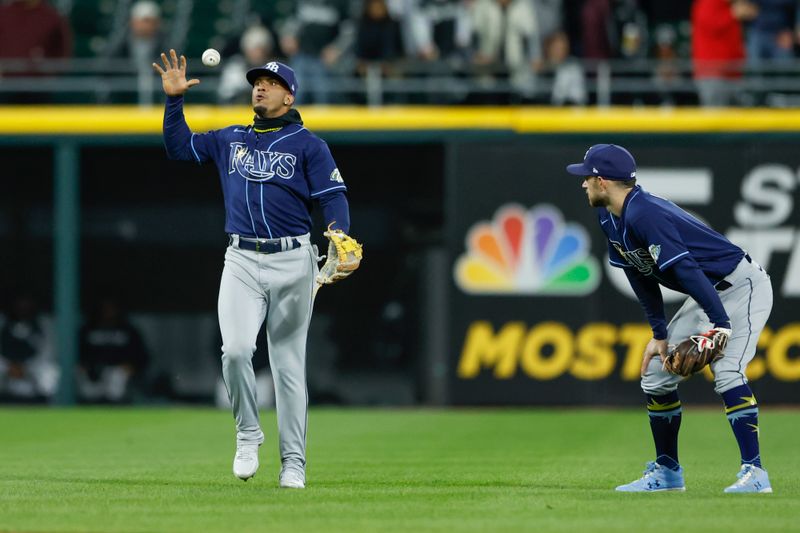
<point x="121" y="481"/>
<point x="265" y="483"/>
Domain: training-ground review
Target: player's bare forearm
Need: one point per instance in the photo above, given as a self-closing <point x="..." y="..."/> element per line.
<point x="173" y="75"/>
<point x="656" y="347"/>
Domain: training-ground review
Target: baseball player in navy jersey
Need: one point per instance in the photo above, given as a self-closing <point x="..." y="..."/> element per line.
<point x="270" y="171"/>
<point x="730" y="299"/>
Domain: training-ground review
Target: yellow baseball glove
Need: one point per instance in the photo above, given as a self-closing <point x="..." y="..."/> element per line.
<point x="344" y="256"/>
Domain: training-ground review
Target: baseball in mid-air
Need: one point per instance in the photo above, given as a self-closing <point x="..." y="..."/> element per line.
<point x="211" y="58"/>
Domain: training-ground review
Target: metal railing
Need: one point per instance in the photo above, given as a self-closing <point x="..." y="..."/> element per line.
<point x="645" y="81"/>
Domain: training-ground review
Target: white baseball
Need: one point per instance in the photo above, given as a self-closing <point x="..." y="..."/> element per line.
<point x="211" y="58"/>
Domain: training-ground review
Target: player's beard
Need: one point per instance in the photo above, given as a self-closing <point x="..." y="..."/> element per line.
<point x="597" y="200"/>
<point x="260" y="110"/>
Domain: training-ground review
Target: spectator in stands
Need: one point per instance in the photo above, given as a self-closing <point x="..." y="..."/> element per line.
<point x="613" y="29"/>
<point x="797" y="27"/>
<point x="549" y="16"/>
<point x="142" y="42"/>
<point x="407" y="13"/>
<point x="507" y="41"/>
<point x="113" y="357"/>
<point x="27" y="371"/>
<point x="670" y="43"/>
<point x="443" y="29"/>
<point x="256" y="47"/>
<point x="31" y="30"/>
<point x="667" y="74"/>
<point x="379" y="39"/>
<point x="595" y="19"/>
<point x="770" y="35"/>
<point x="315" y="39"/>
<point x="144" y="38"/>
<point x="675" y="14"/>
<point x="572" y="23"/>
<point x="718" y="48"/>
<point x="569" y="80"/>
<point x="629" y="33"/>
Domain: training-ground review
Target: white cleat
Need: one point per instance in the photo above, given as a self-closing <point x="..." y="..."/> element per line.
<point x="751" y="479"/>
<point x="292" y="479"/>
<point x="245" y="462"/>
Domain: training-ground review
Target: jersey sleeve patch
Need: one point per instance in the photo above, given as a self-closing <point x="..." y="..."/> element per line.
<point x="655" y="251"/>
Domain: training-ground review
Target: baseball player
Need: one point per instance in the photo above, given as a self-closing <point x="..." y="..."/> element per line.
<point x="270" y="170"/>
<point x="730" y="298"/>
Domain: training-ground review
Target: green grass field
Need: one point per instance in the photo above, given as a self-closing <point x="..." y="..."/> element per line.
<point x="384" y="470"/>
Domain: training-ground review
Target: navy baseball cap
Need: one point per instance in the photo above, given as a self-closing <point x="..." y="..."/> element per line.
<point x="607" y="160"/>
<point x="274" y="69"/>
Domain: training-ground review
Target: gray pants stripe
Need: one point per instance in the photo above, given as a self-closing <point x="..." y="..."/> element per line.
<point x="750" y="325"/>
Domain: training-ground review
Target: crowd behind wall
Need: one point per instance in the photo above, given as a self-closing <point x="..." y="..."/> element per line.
<point x="511" y="42"/>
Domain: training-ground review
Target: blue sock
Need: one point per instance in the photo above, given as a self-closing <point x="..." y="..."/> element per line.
<point x="665" y="421"/>
<point x="741" y="408"/>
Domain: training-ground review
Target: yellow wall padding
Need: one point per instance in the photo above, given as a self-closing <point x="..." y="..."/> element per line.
<point x="132" y="120"/>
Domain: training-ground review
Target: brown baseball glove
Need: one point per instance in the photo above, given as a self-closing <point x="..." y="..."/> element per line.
<point x="693" y="354"/>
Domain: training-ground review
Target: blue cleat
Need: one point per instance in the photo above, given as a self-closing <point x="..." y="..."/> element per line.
<point x="656" y="478"/>
<point x="751" y="479"/>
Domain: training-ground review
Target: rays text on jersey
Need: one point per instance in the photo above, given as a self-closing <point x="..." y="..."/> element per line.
<point x="260" y="165"/>
<point x="640" y="258"/>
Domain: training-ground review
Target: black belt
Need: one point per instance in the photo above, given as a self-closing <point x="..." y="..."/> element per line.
<point x="266" y="246"/>
<point x="725" y="285"/>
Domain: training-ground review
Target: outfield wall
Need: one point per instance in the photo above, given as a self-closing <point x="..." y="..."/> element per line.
<point x="539" y="316"/>
<point x="452" y="320"/>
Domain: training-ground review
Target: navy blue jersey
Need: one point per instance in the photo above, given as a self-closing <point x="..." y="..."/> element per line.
<point x="653" y="234"/>
<point x="268" y="179"/>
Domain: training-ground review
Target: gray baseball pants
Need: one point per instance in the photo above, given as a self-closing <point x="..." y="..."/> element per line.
<point x="277" y="287"/>
<point x="748" y="302"/>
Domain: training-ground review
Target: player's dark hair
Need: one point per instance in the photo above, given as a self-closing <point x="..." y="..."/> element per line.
<point x="629" y="184"/>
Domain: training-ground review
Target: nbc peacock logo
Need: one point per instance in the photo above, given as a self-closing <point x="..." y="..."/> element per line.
<point x="527" y="252"/>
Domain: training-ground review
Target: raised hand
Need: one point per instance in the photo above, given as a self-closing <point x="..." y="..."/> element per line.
<point x="173" y="76"/>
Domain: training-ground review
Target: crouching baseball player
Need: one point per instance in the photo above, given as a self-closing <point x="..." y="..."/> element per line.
<point x="730" y="299"/>
<point x="270" y="170"/>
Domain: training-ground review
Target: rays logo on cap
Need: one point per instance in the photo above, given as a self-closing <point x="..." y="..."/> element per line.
<point x="273" y="66"/>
